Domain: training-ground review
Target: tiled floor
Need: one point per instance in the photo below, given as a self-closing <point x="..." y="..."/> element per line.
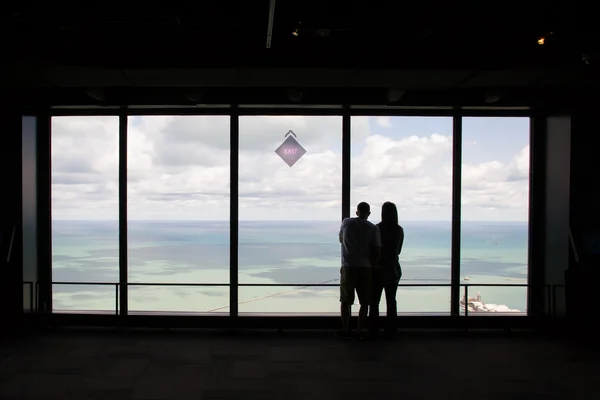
<point x="96" y="365"/>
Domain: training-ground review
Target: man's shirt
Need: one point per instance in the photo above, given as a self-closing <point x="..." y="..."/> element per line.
<point x="358" y="237"/>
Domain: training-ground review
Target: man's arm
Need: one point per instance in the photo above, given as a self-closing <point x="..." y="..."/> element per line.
<point x="341" y="235"/>
<point x="375" y="255"/>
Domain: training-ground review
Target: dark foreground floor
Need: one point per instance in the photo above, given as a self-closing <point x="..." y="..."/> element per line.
<point x="293" y="366"/>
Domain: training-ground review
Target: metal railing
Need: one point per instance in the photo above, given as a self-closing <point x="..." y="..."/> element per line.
<point x="551" y="303"/>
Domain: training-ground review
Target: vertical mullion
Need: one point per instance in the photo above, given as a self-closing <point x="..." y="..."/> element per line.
<point x="234" y="130"/>
<point x="123" y="261"/>
<point x="537" y="211"/>
<point x="346" y="163"/>
<point x="456" y="212"/>
<point x="44" y="211"/>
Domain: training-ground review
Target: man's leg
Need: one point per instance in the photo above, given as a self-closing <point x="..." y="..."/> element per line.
<point x="346" y="299"/>
<point x="345" y="310"/>
<point x="364" y="281"/>
<point x="362" y="317"/>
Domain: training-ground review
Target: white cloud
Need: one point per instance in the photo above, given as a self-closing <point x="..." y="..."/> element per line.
<point x="495" y="190"/>
<point x="410" y="172"/>
<point x="519" y="166"/>
<point x="178" y="168"/>
<point x="85" y="169"/>
<point x="384" y="122"/>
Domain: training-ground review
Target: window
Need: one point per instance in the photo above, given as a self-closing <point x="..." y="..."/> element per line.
<point x="495" y="209"/>
<point x="408" y="161"/>
<point x="290" y="209"/>
<point x="290" y="213"/>
<point x="178" y="213"/>
<point x="85" y="212"/>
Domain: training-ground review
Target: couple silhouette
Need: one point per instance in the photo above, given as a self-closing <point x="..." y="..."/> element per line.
<point x="370" y="267"/>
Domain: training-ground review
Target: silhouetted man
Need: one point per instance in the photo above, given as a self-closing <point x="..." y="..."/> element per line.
<point x="361" y="247"/>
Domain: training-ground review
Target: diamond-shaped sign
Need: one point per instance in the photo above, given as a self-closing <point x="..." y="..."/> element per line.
<point x="290" y="150"/>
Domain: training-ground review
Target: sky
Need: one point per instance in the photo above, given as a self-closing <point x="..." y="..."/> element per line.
<point x="178" y="168"/>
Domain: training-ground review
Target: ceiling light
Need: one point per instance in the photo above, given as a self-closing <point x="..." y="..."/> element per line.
<point x="295" y="95"/>
<point x="394" y="95"/>
<point x="492" y="97"/>
<point x="542" y="40"/>
<point x="196" y="97"/>
<point x="97" y="94"/>
<point x="323" y="33"/>
<point x="296" y="31"/>
<point x="589" y="58"/>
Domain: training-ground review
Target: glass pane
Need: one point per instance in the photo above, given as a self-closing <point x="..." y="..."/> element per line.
<point x="290" y="204"/>
<point x="495" y="208"/>
<point x="101" y="299"/>
<point x="421" y="300"/>
<point x="285" y="300"/>
<point x="85" y="209"/>
<point x="178" y="208"/>
<point x="408" y="161"/>
<point x="179" y="299"/>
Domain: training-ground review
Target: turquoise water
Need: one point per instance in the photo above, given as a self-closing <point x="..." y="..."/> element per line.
<point x="301" y="253"/>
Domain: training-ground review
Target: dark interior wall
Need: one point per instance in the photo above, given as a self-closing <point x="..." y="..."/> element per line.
<point x="11" y="251"/>
<point x="556" y="198"/>
<point x="585" y="170"/>
<point x="583" y="274"/>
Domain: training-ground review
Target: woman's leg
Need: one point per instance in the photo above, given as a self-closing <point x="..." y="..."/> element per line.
<point x="392" y="308"/>
<point x="374" y="308"/>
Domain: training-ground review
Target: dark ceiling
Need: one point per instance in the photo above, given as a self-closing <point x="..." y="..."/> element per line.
<point x="340" y="44"/>
<point x="370" y="34"/>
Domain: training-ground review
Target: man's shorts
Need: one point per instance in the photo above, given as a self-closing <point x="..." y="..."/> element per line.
<point x="355" y="279"/>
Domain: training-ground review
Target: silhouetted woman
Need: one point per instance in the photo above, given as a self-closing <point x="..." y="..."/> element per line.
<point x="388" y="272"/>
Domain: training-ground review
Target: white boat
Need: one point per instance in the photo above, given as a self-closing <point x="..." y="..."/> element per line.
<point x="475" y="304"/>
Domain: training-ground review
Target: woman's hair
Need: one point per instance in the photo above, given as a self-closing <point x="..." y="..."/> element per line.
<point x="389" y="213"/>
